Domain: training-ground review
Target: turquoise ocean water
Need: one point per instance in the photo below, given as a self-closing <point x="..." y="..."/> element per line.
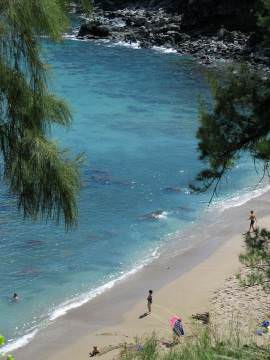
<point x="135" y="118"/>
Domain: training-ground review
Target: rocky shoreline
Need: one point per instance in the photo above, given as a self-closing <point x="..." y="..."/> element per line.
<point x="147" y="29"/>
<point x="244" y="307"/>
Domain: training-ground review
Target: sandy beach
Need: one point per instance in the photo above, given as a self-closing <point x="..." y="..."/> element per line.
<point x="184" y="282"/>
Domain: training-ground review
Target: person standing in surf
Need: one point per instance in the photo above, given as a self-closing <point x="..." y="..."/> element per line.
<point x="252" y="219"/>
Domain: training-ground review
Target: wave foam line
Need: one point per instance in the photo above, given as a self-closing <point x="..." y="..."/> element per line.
<point x="242" y="198"/>
<point x="18" y="343"/>
<point x="164" y="49"/>
<point x="132" y="45"/>
<point x="83" y="299"/>
<point x="74" y="303"/>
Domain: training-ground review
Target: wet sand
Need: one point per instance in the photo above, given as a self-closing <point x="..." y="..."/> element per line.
<point x="183" y="278"/>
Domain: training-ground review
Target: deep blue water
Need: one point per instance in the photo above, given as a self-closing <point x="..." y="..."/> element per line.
<point x="135" y="119"/>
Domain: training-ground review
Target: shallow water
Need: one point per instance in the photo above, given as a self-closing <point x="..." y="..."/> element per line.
<point x="135" y="119"/>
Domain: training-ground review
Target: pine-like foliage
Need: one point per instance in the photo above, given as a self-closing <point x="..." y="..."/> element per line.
<point x="238" y="122"/>
<point x="36" y="171"/>
<point x="264" y="19"/>
<point x="257" y="259"/>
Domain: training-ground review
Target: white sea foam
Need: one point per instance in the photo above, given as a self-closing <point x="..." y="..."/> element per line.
<point x="72" y="37"/>
<point x="133" y="45"/>
<point x="76" y="302"/>
<point x="237" y="200"/>
<point x="62" y="309"/>
<point x="164" y="49"/>
<point x="18" y="343"/>
<point x="242" y="197"/>
<point x="84" y="298"/>
<point x="110" y="43"/>
<point x="163" y="215"/>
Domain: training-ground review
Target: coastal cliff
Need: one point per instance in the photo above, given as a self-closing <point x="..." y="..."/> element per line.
<point x="208" y="30"/>
<point x="203" y="15"/>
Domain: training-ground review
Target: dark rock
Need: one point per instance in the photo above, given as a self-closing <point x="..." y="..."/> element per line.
<point x="266" y="52"/>
<point x="198" y="14"/>
<point x="255" y="39"/>
<point x="166" y="28"/>
<point x="204" y="317"/>
<point x="83" y="30"/>
<point x="173" y="27"/>
<point x="171" y="189"/>
<point x="110" y="14"/>
<point x="143" y="31"/>
<point x="175" y="36"/>
<point x="128" y="22"/>
<point x="158" y="28"/>
<point x="161" y="39"/>
<point x="130" y="37"/>
<point x="145" y="44"/>
<point x="94" y="30"/>
<point x="139" y="21"/>
<point x="155" y="215"/>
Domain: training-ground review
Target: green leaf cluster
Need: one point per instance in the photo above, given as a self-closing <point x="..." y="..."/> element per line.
<point x="2" y="343"/>
<point x="238" y="121"/>
<point x="264" y="19"/>
<point x="257" y="259"/>
<point x="40" y="175"/>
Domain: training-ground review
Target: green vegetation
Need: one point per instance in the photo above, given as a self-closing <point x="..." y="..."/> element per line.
<point x="264" y="19"/>
<point x="237" y="121"/>
<point x="203" y="347"/>
<point x="257" y="259"/>
<point x="2" y="343"/>
<point x="40" y="175"/>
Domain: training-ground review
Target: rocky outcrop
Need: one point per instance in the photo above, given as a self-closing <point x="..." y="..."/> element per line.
<point x="186" y="34"/>
<point x="147" y="28"/>
<point x="202" y="15"/>
<point x="94" y="30"/>
<point x="169" y="5"/>
<point x="159" y="28"/>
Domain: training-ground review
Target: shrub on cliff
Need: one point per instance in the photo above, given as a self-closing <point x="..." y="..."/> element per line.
<point x="237" y="121"/>
<point x="203" y="347"/>
<point x="257" y="259"/>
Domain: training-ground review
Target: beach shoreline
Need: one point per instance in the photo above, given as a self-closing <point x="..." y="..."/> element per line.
<point x="219" y="238"/>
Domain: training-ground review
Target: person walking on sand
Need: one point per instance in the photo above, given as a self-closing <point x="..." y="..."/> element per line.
<point x="252" y="218"/>
<point x="150" y="300"/>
